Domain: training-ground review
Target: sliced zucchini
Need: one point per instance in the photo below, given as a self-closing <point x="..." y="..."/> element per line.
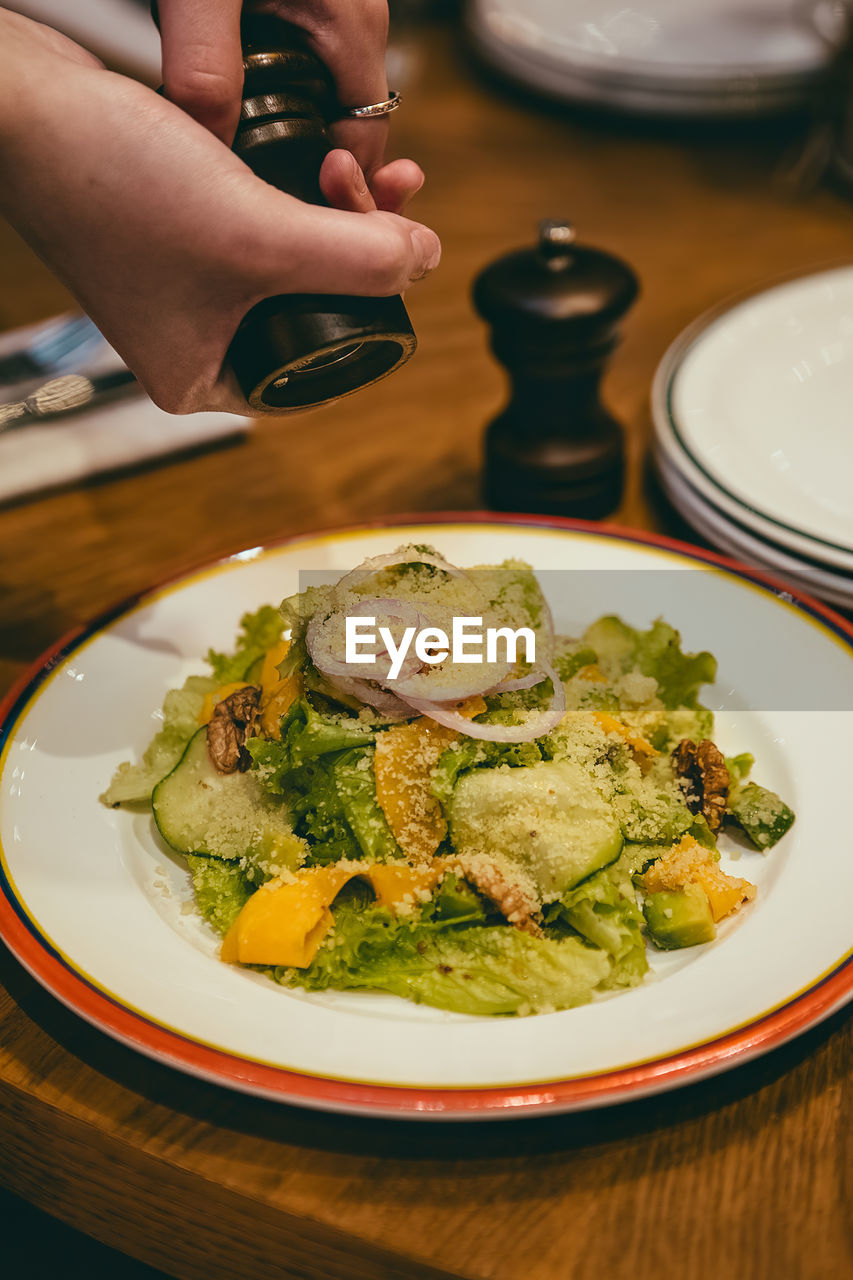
<point x="198" y="810"/>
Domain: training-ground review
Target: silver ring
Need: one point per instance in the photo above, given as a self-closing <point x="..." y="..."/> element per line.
<point x="391" y="103"/>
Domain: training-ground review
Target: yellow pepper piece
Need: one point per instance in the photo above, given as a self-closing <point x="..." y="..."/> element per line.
<point x="275" y="703"/>
<point x="689" y="862"/>
<point x="212" y="699"/>
<point x="406" y="755"/>
<point x="611" y="725"/>
<point x="591" y="673"/>
<point x="394" y="883"/>
<point x="276" y="693"/>
<point x="272" y="660"/>
<point x="285" y="921"/>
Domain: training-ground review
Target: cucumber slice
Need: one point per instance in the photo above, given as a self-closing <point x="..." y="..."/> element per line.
<point x="548" y="816"/>
<point x="198" y="810"/>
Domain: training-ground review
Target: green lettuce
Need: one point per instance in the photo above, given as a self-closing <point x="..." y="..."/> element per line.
<point x="603" y="909"/>
<point x="760" y="813"/>
<point x="306" y="734"/>
<point x="475" y="753"/>
<point x="324" y="769"/>
<point x="356" y="787"/>
<point x="660" y="818"/>
<point x="259" y="631"/>
<point x="181" y="709"/>
<point x="474" y="969"/>
<point x="221" y="890"/>
<point x="656" y="652"/>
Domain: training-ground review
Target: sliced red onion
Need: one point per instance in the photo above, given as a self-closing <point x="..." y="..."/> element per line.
<point x="537" y="722"/>
<point x="404" y="555"/>
<point x="520" y="682"/>
<point x="325" y="660"/>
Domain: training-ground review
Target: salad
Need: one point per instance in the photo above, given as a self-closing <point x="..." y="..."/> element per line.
<point x="503" y="836"/>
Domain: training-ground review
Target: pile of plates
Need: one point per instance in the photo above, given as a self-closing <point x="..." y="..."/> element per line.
<point x="667" y="57"/>
<point x="753" y="420"/>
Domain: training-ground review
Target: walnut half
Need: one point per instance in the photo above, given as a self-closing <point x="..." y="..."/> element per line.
<point x="234" y="720"/>
<point x="705" y="779"/>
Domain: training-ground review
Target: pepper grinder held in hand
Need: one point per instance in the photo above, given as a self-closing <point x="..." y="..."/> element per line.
<point x="554" y="311"/>
<point x="297" y="350"/>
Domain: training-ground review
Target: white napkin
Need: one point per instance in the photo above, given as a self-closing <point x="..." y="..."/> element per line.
<point x="123" y="430"/>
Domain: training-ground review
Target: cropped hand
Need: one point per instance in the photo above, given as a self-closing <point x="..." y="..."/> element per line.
<point x="166" y="238"/>
<point x="202" y="70"/>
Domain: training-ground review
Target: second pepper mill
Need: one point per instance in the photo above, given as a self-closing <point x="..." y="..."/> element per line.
<point x="554" y="311"/>
<point x="297" y="350"/>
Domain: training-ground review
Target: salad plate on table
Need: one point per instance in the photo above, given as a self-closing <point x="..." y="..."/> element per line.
<point x="598" y="868"/>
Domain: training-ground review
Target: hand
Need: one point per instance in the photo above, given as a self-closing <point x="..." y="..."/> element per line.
<point x="162" y="233"/>
<point x="203" y="72"/>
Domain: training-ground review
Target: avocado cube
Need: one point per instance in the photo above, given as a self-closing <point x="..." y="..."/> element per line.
<point x="679" y="919"/>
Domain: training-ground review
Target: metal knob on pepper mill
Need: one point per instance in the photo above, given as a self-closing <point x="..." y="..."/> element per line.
<point x="554" y="311"/>
<point x="297" y="350"/>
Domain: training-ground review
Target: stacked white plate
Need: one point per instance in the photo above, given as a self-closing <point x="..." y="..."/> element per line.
<point x="665" y="57"/>
<point x="753" y="420"/>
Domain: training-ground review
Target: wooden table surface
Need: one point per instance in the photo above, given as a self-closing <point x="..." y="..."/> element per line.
<point x="743" y="1175"/>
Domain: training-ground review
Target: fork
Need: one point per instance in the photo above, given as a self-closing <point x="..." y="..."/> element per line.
<point x="52" y="347"/>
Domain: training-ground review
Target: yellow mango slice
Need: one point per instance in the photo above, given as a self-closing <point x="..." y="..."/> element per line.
<point x="211" y="700"/>
<point x="272" y="659"/>
<point x="276" y="702"/>
<point x="394" y="884"/>
<point x="406" y="755"/>
<point x="277" y="694"/>
<point x="286" y="920"/>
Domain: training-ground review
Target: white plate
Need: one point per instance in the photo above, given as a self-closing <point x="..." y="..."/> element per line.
<point x="665" y="40"/>
<point x="92" y="903"/>
<point x="715" y="58"/>
<point x="667" y="447"/>
<point x="757" y="398"/>
<point x="566" y="84"/>
<point x="735" y="540"/>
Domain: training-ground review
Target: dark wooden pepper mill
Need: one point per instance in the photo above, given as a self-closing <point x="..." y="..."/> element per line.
<point x="554" y="311"/>
<point x="297" y="350"/>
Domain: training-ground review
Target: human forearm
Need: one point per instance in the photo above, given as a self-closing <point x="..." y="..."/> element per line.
<point x="161" y="231"/>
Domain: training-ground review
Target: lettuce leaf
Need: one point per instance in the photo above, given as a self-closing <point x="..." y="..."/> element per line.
<point x="306" y="734"/>
<point x="181" y="708"/>
<point x="474" y="969"/>
<point x="603" y="909"/>
<point x="656" y="652"/>
<point x="324" y="770"/>
<point x="475" y="753"/>
<point x="259" y="631"/>
<point x="221" y="890"/>
<point x="356" y="787"/>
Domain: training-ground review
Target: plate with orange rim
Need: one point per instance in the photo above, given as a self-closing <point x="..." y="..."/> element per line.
<point x="96" y="907"/>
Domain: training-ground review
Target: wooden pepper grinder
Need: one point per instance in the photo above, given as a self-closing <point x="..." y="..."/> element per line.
<point x="554" y="311"/>
<point x="298" y="350"/>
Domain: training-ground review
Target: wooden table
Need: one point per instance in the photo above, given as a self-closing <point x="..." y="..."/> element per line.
<point x="739" y="1176"/>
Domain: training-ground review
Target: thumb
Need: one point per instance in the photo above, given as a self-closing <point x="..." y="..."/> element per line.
<point x="372" y="254"/>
